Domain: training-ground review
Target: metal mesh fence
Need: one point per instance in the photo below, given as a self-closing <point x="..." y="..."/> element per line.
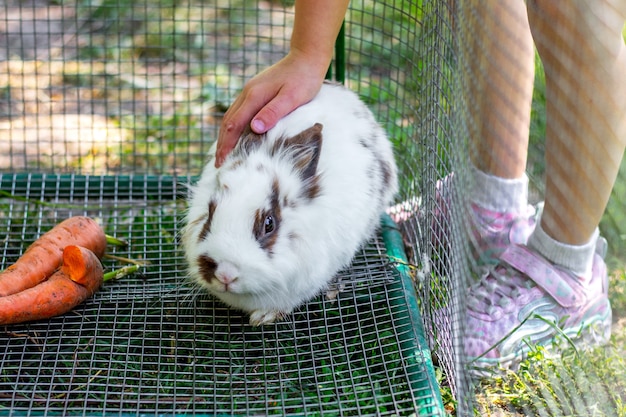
<point x="537" y="94"/>
<point x="107" y="109"/>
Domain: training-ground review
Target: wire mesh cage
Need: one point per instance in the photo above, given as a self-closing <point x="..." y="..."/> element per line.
<point x="108" y="108"/>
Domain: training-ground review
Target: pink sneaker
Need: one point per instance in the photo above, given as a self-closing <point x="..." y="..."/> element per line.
<point x="490" y="232"/>
<point x="494" y="232"/>
<point x="525" y="300"/>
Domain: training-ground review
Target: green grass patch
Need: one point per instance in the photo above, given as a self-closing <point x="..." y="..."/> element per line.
<point x="591" y="383"/>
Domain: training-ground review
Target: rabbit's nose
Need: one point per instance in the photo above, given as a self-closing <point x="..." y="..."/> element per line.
<point x="226" y="273"/>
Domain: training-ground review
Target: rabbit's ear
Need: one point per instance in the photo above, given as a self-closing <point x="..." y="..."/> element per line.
<point x="305" y="149"/>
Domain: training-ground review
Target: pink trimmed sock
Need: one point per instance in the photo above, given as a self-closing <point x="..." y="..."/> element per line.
<point x="499" y="194"/>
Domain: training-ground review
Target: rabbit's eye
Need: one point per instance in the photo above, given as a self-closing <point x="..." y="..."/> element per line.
<point x="269" y="224"/>
<point x="266" y="226"/>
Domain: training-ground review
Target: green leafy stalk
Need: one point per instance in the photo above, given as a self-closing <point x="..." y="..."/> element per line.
<point x="121" y="273"/>
<point x="112" y="240"/>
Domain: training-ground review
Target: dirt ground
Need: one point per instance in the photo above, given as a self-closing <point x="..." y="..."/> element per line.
<point x="76" y="82"/>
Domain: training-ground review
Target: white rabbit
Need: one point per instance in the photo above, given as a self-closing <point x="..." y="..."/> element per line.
<point x="287" y="210"/>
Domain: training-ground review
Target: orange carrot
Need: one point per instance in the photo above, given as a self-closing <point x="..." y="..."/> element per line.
<point x="79" y="264"/>
<point x="45" y="255"/>
<point x="58" y="294"/>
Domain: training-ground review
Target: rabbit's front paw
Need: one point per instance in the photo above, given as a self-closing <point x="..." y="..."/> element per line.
<point x="261" y="317"/>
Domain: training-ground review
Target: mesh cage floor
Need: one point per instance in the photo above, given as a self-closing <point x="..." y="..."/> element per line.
<point x="151" y="344"/>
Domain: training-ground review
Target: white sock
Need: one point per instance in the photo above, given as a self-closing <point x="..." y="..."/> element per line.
<point x="499" y="194"/>
<point x="576" y="258"/>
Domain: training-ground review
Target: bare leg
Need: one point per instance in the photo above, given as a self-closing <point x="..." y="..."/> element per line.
<point x="498" y="84"/>
<point x="497" y="68"/>
<point x="584" y="57"/>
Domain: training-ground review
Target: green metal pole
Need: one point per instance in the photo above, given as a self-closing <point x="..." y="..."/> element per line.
<point x="340" y="54"/>
<point x="340" y="57"/>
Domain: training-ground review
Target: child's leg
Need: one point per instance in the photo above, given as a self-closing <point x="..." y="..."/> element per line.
<point x="498" y="83"/>
<point x="497" y="64"/>
<point x="584" y="56"/>
<point x="558" y="277"/>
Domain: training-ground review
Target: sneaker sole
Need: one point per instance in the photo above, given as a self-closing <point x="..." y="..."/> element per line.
<point x="593" y="332"/>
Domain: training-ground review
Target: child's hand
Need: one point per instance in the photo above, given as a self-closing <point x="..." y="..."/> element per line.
<point x="268" y="97"/>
